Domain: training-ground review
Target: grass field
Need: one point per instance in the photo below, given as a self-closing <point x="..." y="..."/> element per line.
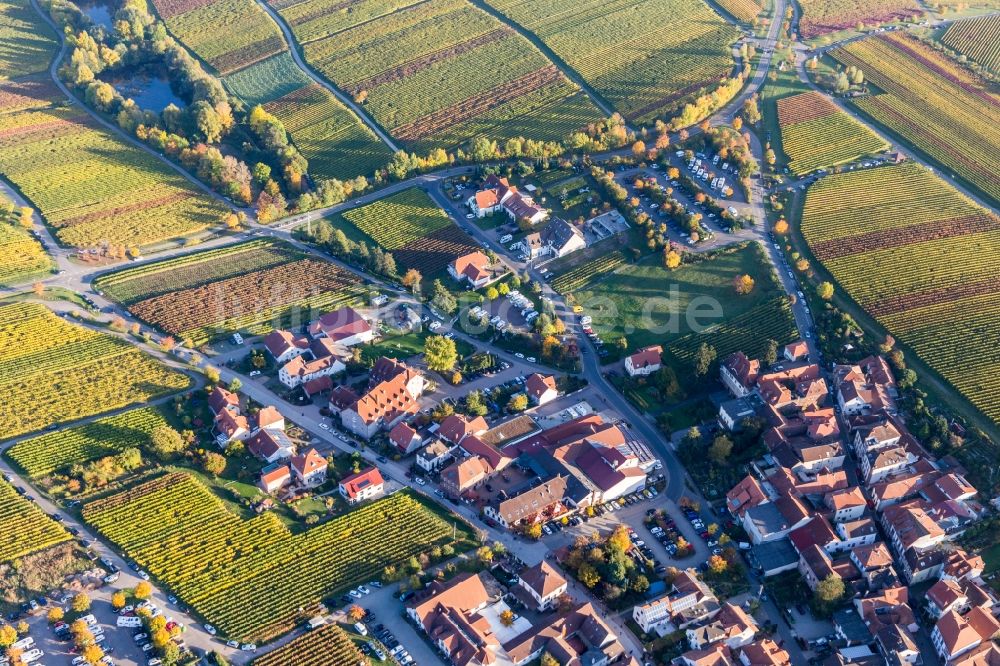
<point x="250" y="578"/>
<point x="815" y="133"/>
<point x="978" y="39"/>
<point x="647" y="58"/>
<point x="391" y="52"/>
<point x="417" y="232"/>
<point x="821" y="17"/>
<point x="251" y="287"/>
<point x="933" y="104"/>
<point x="650" y="305"/>
<point x="27" y="44"/>
<point x="88" y="185"/>
<point x="26" y="529"/>
<point x="53" y="372"/>
<point x="939" y="298"/>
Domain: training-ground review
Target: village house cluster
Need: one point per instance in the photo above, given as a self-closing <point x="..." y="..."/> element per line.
<point x="846" y="491"/>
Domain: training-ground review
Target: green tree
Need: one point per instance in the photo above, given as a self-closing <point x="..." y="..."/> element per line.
<point x="704" y="359"/>
<point x="440" y="353"/>
<point x="830" y="589"/>
<point x="166" y="442"/>
<point x="213" y="463"/>
<point x="492" y="294"/>
<point x="443" y="299"/>
<point x="548" y="660"/>
<point x="720" y="449"/>
<point x="588" y="575"/>
<point x="771" y="353"/>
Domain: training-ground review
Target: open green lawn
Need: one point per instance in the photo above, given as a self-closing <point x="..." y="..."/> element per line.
<point x="650" y="305"/>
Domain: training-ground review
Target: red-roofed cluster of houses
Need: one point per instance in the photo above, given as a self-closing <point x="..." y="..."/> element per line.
<point x="311" y="361"/>
<point x="802" y="510"/>
<point x="499" y="195"/>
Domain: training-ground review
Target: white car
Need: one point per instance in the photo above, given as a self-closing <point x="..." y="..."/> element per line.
<point x="255" y="373"/>
<point x="210" y="629"/>
<point x="435" y="325"/>
<point x="140" y="637"/>
<point x="363" y="590"/>
<point x="324" y="426"/>
<point x="249" y="647"/>
<point x="355" y="594"/>
<point x="420" y="482"/>
<point x="531" y="359"/>
<point x="469" y="216"/>
<point x="519" y="355"/>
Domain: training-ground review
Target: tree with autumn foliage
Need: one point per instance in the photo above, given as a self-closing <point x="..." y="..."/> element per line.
<point x="671" y="259"/>
<point x="781" y="227"/>
<point x="717" y="564"/>
<point x="743" y="284"/>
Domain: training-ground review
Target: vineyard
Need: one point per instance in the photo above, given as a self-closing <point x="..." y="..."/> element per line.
<point x="25" y="528"/>
<point x="89" y="186"/>
<point x="939" y="297"/>
<point x="413" y="228"/>
<point x="748" y="332"/>
<point x="56" y="451"/>
<point x="579" y="276"/>
<point x="933" y="103"/>
<point x="253" y="287"/>
<point x="815" y="133"/>
<point x="391" y="52"/>
<point x="267" y="80"/>
<point x="24" y="258"/>
<point x="742" y="10"/>
<point x="647" y="58"/>
<point x="52" y="371"/>
<point x="27" y="44"/>
<point x="978" y="39"/>
<point x="249" y="578"/>
<point x="326" y="646"/>
<point x="820" y="17"/>
<point x="650" y="305"/>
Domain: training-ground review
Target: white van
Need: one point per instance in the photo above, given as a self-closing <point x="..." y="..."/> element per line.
<point x="130" y="621"/>
<point x="237" y="339"/>
<point x="360" y="628"/>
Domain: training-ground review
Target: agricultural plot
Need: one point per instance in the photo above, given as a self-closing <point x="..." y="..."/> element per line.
<point x="647" y="58"/>
<point x="413" y="228"/>
<point x="249" y="578"/>
<point x="27" y="44"/>
<point x="326" y="646"/>
<point x="939" y="298"/>
<point x="978" y="39"/>
<point x="89" y="186"/>
<point x="391" y="52"/>
<point x="252" y="288"/>
<point x="267" y="80"/>
<point x="24" y="258"/>
<point x="820" y="17"/>
<point x="227" y="34"/>
<point x="933" y="103"/>
<point x="744" y="11"/>
<point x="815" y="133"/>
<point x="52" y="371"/>
<point x="26" y="529"/>
<point x="651" y="305"/>
<point x="579" y="276"/>
<point x="57" y="451"/>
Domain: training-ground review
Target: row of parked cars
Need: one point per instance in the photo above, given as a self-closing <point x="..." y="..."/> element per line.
<point x="384" y="635"/>
<point x="698" y="524"/>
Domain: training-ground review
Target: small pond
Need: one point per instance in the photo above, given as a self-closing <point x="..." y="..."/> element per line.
<point x="150" y="92"/>
<point x="101" y="14"/>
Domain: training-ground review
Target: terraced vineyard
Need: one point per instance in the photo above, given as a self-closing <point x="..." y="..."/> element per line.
<point x="26" y="529"/>
<point x="57" y="451"/>
<point x="52" y="371"/>
<point x="392" y="52"/>
<point x="252" y="287"/>
<point x="815" y="133"/>
<point x="326" y="646"/>
<point x="249" y="578"/>
<point x="977" y="38"/>
<point x="413" y="228"/>
<point x="647" y="58"/>
<point x="939" y="298"/>
<point x="742" y="10"/>
<point x="820" y="17"/>
<point x="26" y="43"/>
<point x="579" y="276"/>
<point x="88" y="185"/>
<point x="933" y="103"/>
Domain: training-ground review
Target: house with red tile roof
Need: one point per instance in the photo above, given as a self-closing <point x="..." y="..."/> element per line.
<point x="488" y="200"/>
<point x="366" y="484"/>
<point x="268" y="418"/>
<point x="538" y="504"/>
<point x="688" y="601"/>
<point x="796" y="351"/>
<point x="944" y="596"/>
<point x="404" y="438"/>
<point x="456" y="427"/>
<point x="274" y="477"/>
<point x="271" y="445"/>
<point x="543" y="583"/>
<point x="644" y="362"/>
<point x="344" y="326"/>
<point x="816" y="532"/>
<point x="393" y="389"/>
<point x="283" y="346"/>
<point x="230" y="427"/>
<point x="846" y="504"/>
<point x="731" y="627"/>
<point x="745" y="495"/>
<point x="301" y="370"/>
<point x="464" y="475"/>
<point x="220" y="400"/>
<point x="739" y="374"/>
<point x="960" y="565"/>
<point x="541" y="389"/>
<point x="955" y="635"/>
<point x="764" y="652"/>
<point x="309" y="468"/>
<point x="473" y="268"/>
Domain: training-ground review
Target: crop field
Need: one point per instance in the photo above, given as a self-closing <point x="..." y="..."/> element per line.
<point x="939" y="297"/>
<point x="978" y="39"/>
<point x="650" y="305"/>
<point x="815" y="133"/>
<point x="249" y="578"/>
<point x="326" y="646"/>
<point x="742" y="10"/>
<point x="227" y="34"/>
<point x="52" y="371"/>
<point x="329" y="135"/>
<point x="252" y="288"/>
<point x="647" y="58"/>
<point x="25" y="528"/>
<point x="89" y="186"/>
<point x="57" y="451"/>
<point x="24" y="258"/>
<point x="820" y="17"/>
<point x="580" y="275"/>
<point x="391" y="52"/>
<point x="932" y="103"/>
<point x="413" y="228"/>
<point x="27" y="44"/>
<point x="267" y="80"/>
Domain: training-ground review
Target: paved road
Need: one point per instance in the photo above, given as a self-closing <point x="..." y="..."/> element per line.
<point x="293" y="48"/>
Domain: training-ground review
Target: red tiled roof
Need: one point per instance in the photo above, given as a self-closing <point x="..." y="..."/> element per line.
<point x="220" y="399"/>
<point x="341" y="323"/>
<point x="647" y="356"/>
<point x="278" y="342"/>
<point x="402" y="435"/>
<point x="366" y="478"/>
<point x="537" y="384"/>
<point x="308" y="463"/>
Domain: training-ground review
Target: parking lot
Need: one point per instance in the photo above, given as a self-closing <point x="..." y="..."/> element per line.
<point x="388" y="631"/>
